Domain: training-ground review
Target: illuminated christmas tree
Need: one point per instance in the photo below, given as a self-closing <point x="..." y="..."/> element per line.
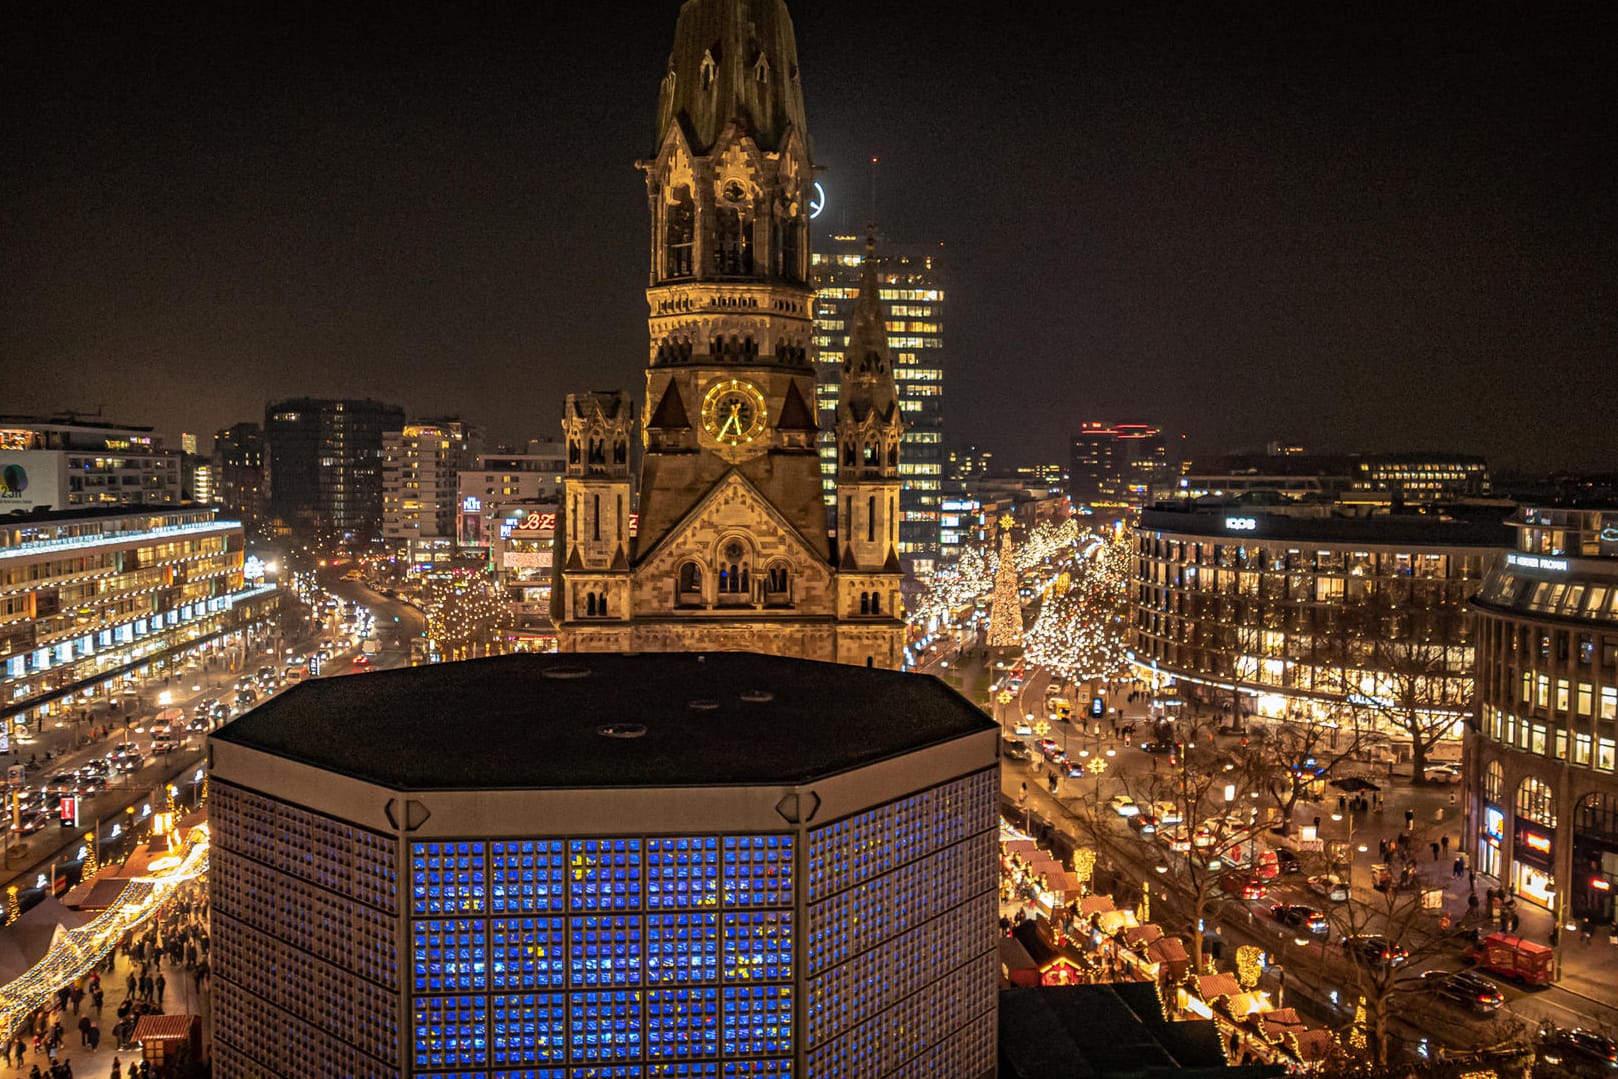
<point x="1005" y="611"/>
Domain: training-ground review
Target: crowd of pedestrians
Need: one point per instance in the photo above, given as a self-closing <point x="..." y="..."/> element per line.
<point x="172" y="945"/>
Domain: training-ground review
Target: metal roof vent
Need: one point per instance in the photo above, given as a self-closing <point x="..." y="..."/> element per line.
<point x="622" y="730"/>
<point x="566" y="673"/>
<point x="704" y="704"/>
<point x="757" y="696"/>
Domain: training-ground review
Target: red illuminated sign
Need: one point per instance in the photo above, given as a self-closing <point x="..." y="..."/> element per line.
<point x="1535" y="841"/>
<point x="70" y="809"/>
<point x="1601" y="884"/>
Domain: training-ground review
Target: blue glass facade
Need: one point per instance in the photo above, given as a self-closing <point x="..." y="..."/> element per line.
<point x="613" y="956"/>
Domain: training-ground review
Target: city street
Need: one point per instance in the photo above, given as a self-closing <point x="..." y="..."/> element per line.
<point x="1317" y="974"/>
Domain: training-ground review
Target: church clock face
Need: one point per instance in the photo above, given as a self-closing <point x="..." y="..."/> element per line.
<point x="733" y="412"/>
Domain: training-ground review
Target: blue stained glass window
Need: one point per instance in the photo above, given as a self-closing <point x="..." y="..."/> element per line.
<point x="682" y="948"/>
<point x="604" y="1026"/>
<point x="531" y="1073"/>
<point x="758" y="1069"/>
<point x="451" y="1031"/>
<point x="450" y="956"/>
<point x="607" y="1071"/>
<point x="604" y="950"/>
<point x="758" y="946"/>
<point x="758" y="871"/>
<point x="682" y="873"/>
<point x="527" y="876"/>
<point x="527" y="953"/>
<point x="683" y="1069"/>
<point x="448" y="878"/>
<point x="528" y="1028"/>
<point x="682" y="1023"/>
<point x="603" y="874"/>
<point x="758" y="1020"/>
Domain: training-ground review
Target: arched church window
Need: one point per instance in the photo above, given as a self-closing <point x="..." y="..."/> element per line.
<point x="876" y="603"/>
<point x="601" y="605"/>
<point x="791" y="246"/>
<point x="777" y="578"/>
<point x="690" y="580"/>
<point x="734" y="241"/>
<point x="871" y="457"/>
<point x="680" y="235"/>
<point x="893" y="455"/>
<point x="572" y="451"/>
<point x="708" y="71"/>
<point x="870" y="519"/>
<point x="620" y="452"/>
<point x="865" y="603"/>
<point x="848" y="454"/>
<point x="590" y="604"/>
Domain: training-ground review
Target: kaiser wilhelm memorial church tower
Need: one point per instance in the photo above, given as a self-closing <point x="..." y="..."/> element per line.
<point x="733" y="550"/>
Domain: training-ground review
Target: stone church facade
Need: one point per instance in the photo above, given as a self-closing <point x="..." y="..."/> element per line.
<point x="733" y="550"/>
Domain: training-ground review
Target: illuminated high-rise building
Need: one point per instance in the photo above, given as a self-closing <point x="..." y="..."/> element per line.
<point x="910" y="277"/>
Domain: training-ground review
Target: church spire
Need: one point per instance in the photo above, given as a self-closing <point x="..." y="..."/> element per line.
<point x="732" y="60"/>
<point x="867" y="379"/>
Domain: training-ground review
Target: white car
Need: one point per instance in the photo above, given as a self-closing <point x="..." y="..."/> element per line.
<point x="1442" y="773"/>
<point x="1124" y="805"/>
<point x="1329" y="887"/>
<point x="1022" y="728"/>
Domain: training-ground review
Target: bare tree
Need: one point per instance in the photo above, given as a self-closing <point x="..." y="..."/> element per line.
<point x="1405" y="665"/>
<point x="1277" y="760"/>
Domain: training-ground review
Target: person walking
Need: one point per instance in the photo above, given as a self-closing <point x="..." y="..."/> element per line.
<point x="1434" y="845"/>
<point x="117" y="1069"/>
<point x="159" y="983"/>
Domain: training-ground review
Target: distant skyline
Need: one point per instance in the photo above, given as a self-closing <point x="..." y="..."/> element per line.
<point x="1354" y="227"/>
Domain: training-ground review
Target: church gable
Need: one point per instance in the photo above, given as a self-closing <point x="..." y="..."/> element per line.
<point x="733" y="541"/>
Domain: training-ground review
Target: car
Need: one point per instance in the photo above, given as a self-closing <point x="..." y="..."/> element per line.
<point x="164" y="743"/>
<point x="1471" y="991"/>
<point x="1301" y="916"/>
<point x="1048" y="747"/>
<point x="1329" y="887"/>
<point x="1124" y="805"/>
<point x="1144" y="823"/>
<point x="1157" y="747"/>
<point x="1013" y="750"/>
<point x="125" y="757"/>
<point x="1578" y="1047"/>
<point x="1168" y="812"/>
<point x="92" y="781"/>
<point x="362" y="660"/>
<point x="1442" y="773"/>
<point x="1286" y="861"/>
<point x="1241" y="883"/>
<point x="1071" y="769"/>
<point x="1371" y="949"/>
<point x="1022" y="727"/>
<point x="99" y="769"/>
<point x="29" y="823"/>
<point x="246" y="698"/>
<point x="205" y="706"/>
<point x="1177" y="838"/>
<point x="63" y="783"/>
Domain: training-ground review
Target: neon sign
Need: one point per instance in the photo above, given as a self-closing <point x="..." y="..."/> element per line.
<point x="1241" y="524"/>
<point x="1535" y="841"/>
<point x="1532" y="561"/>
<point x="1494" y="825"/>
<point x="471" y="504"/>
<point x="817" y="203"/>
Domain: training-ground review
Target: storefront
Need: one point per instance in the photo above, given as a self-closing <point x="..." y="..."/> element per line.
<point x="1595" y="859"/>
<point x="1534" y="863"/>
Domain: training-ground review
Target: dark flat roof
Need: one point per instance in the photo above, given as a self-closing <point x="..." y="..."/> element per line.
<point x="534" y="721"/>
<point x="1413" y="529"/>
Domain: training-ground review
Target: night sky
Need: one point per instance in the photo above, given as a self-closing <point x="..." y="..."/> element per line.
<point x="1356" y="226"/>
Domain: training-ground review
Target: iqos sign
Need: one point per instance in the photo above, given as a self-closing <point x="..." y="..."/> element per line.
<point x="1241" y="524"/>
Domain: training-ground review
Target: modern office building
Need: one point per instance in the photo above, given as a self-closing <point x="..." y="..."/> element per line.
<point x="1117" y="464"/>
<point x="1542" y="761"/>
<point x="421" y="473"/>
<point x="499" y="480"/>
<point x="238" y="467"/>
<point x="911" y="280"/>
<point x="323" y="466"/>
<point x="60" y="464"/>
<point x="1304" y="610"/>
<point x="90" y="596"/>
<point x="654" y="865"/>
<point x="1387" y="479"/>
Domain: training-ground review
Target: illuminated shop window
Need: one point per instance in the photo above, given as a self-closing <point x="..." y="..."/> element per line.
<point x="758" y="946"/>
<point x="758" y="1020"/>
<point x="758" y="871"/>
<point x="447" y="878"/>
<point x="527" y="876"/>
<point x="682" y="873"/>
<point x="604" y="951"/>
<point x="682" y="1023"/>
<point x="527" y="953"/>
<point x="451" y="1031"/>
<point x="604" y="1026"/>
<point x="682" y="948"/>
<point x="604" y="874"/>
<point x="450" y="956"/>
<point x="529" y="1028"/>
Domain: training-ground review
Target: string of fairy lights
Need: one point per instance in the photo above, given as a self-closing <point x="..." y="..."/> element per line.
<point x="1081" y="630"/>
<point x="463" y="610"/>
<point x="970" y="578"/>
